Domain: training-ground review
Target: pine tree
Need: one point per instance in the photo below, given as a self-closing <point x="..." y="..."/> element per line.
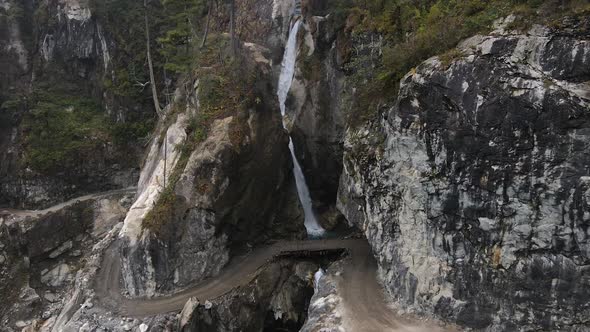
<point x="180" y="32"/>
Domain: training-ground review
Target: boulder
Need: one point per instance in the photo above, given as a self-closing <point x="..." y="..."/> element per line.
<point x="57" y="276"/>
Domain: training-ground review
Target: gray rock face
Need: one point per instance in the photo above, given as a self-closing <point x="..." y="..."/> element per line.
<point x="274" y="301"/>
<point x="325" y="308"/>
<point x="235" y="191"/>
<point x="474" y="190"/>
<point x="35" y="247"/>
<point x="57" y="43"/>
<point x="314" y="105"/>
<point x="57" y="276"/>
<point x="61" y="249"/>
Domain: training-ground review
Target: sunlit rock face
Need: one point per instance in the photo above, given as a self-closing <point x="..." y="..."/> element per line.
<point x="45" y="256"/>
<point x="474" y="189"/>
<point x="326" y="308"/>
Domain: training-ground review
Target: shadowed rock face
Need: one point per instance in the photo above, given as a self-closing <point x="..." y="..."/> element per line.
<point x="473" y="190"/>
<point x="235" y="191"/>
<point x="315" y="105"/>
<point x="276" y="300"/>
<point x="58" y="45"/>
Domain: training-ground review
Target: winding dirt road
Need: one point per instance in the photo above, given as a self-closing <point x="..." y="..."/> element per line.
<point x="55" y="208"/>
<point x="364" y="301"/>
<point x="366" y="308"/>
<point x="239" y="271"/>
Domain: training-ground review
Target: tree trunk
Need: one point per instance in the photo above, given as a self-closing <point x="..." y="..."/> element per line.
<point x="232" y="26"/>
<point x="149" y="58"/>
<point x="207" y="24"/>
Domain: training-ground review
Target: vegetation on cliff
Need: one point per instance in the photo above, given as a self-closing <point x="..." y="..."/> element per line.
<point x="61" y="129"/>
<point x="226" y="87"/>
<point x="413" y="31"/>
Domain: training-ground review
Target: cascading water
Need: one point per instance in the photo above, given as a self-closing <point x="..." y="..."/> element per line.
<point x="288" y="66"/>
<point x="285" y="79"/>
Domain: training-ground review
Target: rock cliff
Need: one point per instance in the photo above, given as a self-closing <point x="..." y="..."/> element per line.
<point x="470" y="181"/>
<point x="315" y="108"/>
<point x="233" y="190"/>
<point x="473" y="188"/>
<point x="43" y="252"/>
<point x="65" y="129"/>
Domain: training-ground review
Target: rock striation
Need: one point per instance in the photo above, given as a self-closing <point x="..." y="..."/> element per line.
<point x="473" y="189"/>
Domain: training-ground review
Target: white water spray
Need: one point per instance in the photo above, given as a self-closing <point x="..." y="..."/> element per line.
<point x="285" y="80"/>
<point x="316" y="278"/>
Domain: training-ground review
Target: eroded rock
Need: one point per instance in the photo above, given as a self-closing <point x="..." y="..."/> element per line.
<point x="472" y="190"/>
<point x="57" y="276"/>
<point x="61" y="249"/>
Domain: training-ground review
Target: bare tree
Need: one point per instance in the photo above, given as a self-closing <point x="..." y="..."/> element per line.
<point x="232" y="26"/>
<point x="207" y="24"/>
<point x="150" y="65"/>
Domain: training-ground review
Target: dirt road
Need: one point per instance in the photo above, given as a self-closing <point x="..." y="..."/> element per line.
<point x="239" y="271"/>
<point x="366" y="307"/>
<point x="35" y="213"/>
<point x="365" y="304"/>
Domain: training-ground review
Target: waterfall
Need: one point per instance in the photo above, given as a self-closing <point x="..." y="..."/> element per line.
<point x="288" y="66"/>
<point x="285" y="79"/>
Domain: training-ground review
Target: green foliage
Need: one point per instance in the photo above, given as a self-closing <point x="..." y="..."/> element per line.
<point x="449" y="56"/>
<point x="123" y="21"/>
<point x="178" y="38"/>
<point x="162" y="211"/>
<point x="129" y="132"/>
<point x="43" y="18"/>
<point x="124" y="82"/>
<point x="9" y="111"/>
<point x="63" y="126"/>
<point x="416" y="30"/>
<point x="174" y="26"/>
<point x="226" y="88"/>
<point x="13" y="12"/>
<point x="61" y="129"/>
<point x="12" y="105"/>
<point x="226" y="84"/>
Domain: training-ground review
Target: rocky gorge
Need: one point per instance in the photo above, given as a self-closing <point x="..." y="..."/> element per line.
<point x="454" y="198"/>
